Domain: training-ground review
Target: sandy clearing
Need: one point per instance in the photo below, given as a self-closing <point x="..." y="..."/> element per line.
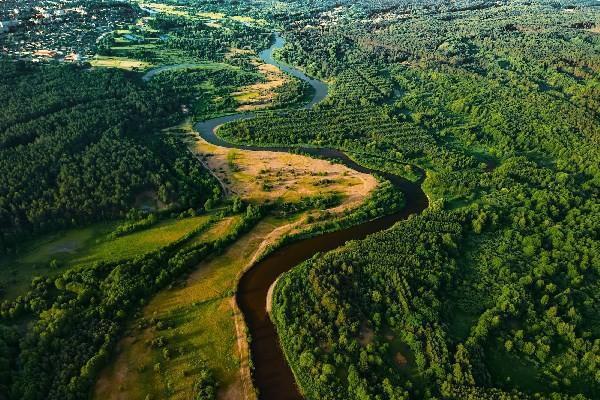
<point x="261" y="95"/>
<point x="262" y="176"/>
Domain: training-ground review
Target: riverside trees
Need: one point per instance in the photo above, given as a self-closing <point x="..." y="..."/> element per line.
<point x="492" y="293"/>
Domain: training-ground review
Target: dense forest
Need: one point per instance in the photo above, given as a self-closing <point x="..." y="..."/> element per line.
<point x="493" y="292"/>
<point x="78" y="146"/>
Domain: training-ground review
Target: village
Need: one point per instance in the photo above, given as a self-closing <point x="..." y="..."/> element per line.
<point x="61" y="30"/>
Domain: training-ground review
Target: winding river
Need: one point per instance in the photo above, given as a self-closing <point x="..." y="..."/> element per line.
<point x="272" y="375"/>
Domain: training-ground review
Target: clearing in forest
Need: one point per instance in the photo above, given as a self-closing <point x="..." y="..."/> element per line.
<point x="262" y="94"/>
<point x="54" y="253"/>
<point x="126" y="63"/>
<point x="263" y="176"/>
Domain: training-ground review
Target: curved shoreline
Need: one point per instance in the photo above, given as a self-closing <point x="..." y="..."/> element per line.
<point x="272" y="375"/>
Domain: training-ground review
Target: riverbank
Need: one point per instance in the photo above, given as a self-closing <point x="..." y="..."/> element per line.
<point x="272" y="376"/>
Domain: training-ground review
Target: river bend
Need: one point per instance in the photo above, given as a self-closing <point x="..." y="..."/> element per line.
<point x="272" y="375"/>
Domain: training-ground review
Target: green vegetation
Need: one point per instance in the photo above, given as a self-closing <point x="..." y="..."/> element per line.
<point x="495" y="289"/>
<point x="84" y="310"/>
<point x="55" y="252"/>
<point x="76" y="146"/>
<point x="208" y="87"/>
<point x="209" y="59"/>
<point x="491" y="293"/>
<point x="142" y="242"/>
<point x="178" y="35"/>
<point x="119" y="62"/>
<point x="191" y="322"/>
<point x="49" y="254"/>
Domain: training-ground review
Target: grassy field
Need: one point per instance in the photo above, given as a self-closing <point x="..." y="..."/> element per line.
<point x="167" y="9"/>
<point x="261" y="94"/>
<point x="262" y="176"/>
<point x="142" y="242"/>
<point x="249" y="20"/>
<point x="196" y="323"/>
<point x="119" y="62"/>
<point x="200" y="66"/>
<point x="246" y="96"/>
<point x="211" y="15"/>
<point x="34" y="259"/>
<point x="79" y="246"/>
<point x="217" y="231"/>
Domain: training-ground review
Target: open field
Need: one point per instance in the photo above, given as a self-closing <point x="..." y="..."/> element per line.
<point x="261" y="95"/>
<point x="189" y="67"/>
<point x="262" y="176"/>
<point x="200" y="323"/>
<point x="34" y="259"/>
<point x="79" y="246"/>
<point x="144" y="241"/>
<point x="211" y="15"/>
<point x="119" y="62"/>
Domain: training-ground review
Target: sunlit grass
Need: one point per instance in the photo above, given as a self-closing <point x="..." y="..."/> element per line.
<point x="119" y="62"/>
<point x="84" y="245"/>
<point x="200" y="323"/>
<point x="142" y="242"/>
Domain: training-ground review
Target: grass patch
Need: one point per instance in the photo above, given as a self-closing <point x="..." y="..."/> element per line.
<point x="211" y="15"/>
<point x="249" y="20"/>
<point x="132" y="46"/>
<point x="79" y="246"/>
<point x="196" y="321"/>
<point x="246" y="96"/>
<point x="510" y="371"/>
<point x="35" y="257"/>
<point x="119" y="62"/>
<point x="142" y="242"/>
<point x="219" y="230"/>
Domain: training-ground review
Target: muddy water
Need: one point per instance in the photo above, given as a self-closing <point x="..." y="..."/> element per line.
<point x="272" y="376"/>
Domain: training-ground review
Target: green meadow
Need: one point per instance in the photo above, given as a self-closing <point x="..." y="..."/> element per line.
<point x="54" y="253"/>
